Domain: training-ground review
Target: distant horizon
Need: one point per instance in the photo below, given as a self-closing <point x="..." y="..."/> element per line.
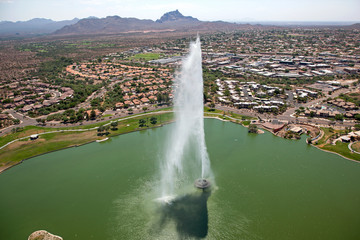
<point x="204" y="10"/>
<point x="241" y="21"/>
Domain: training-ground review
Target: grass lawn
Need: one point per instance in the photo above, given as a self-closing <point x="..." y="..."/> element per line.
<point x="242" y="117"/>
<point x="131" y="125"/>
<point x="20" y="150"/>
<point x="212" y="110"/>
<point x="106" y="115"/>
<point x="328" y="133"/>
<point x="214" y="115"/>
<point x="246" y="123"/>
<point x="28" y="130"/>
<point x="342" y="149"/>
<point x="146" y="56"/>
<point x="230" y="114"/>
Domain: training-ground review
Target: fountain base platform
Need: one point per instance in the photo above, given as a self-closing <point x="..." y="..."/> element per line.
<point x="202" y="183"/>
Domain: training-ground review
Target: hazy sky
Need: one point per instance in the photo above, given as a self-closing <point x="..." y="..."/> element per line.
<point x="228" y="10"/>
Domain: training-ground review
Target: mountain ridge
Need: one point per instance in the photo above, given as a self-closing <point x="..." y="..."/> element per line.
<point x="170" y="21"/>
<point x="173" y="20"/>
<point x="33" y="26"/>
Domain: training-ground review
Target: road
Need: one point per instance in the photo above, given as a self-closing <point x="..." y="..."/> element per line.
<point x="24" y="121"/>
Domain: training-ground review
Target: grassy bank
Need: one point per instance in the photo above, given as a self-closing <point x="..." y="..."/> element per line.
<point x="26" y="148"/>
<point x="146" y="56"/>
<point x="65" y="137"/>
<point x="342" y="149"/>
<point x="20" y="150"/>
<point x="339" y="148"/>
<point x="226" y="115"/>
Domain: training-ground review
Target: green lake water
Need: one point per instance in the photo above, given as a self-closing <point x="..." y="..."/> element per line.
<point x="266" y="188"/>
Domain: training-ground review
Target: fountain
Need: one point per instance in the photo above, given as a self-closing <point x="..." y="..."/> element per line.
<point x="202" y="183"/>
<point x="186" y="156"/>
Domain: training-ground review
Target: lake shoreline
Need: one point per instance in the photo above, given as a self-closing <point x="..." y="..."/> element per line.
<point x="5" y="168"/>
<point x="264" y="129"/>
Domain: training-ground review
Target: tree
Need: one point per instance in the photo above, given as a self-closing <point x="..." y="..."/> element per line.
<point x="339" y="117"/>
<point x="64" y="119"/>
<point x="153" y="120"/>
<point x="159" y="97"/>
<point x="80" y="115"/>
<point x="130" y="111"/>
<point x="252" y="128"/>
<point x="92" y="115"/>
<point x="72" y="118"/>
<point x="142" y="122"/>
<point x="114" y="126"/>
<point x="96" y="102"/>
<point x="357" y="117"/>
<point x="100" y="130"/>
<point x="107" y="127"/>
<point x="227" y="92"/>
<point x="18" y="129"/>
<point x="102" y="109"/>
<point x="275" y="111"/>
<point x="212" y="106"/>
<point x="144" y="109"/>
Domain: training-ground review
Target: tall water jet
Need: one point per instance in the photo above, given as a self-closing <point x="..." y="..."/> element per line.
<point x="186" y="157"/>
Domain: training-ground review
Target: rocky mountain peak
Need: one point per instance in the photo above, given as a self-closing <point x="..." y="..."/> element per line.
<point x="174" y="16"/>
